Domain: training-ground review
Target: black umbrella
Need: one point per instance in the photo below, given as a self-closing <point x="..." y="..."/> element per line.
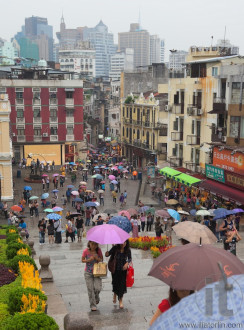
<point x="110" y="211"/>
<point x="72" y="215"/>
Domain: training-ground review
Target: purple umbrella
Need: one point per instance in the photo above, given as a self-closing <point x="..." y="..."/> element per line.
<point x="107" y="234"/>
<point x="234" y="211"/>
<point x="56" y="174"/>
<point x="57" y="209"/>
<point x="114" y="182"/>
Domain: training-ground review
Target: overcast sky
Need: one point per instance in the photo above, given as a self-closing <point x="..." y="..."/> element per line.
<point x="182" y="23"/>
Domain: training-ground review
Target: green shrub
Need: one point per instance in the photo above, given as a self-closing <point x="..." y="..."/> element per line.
<point x="10" y="227"/>
<point x="12" y="238"/>
<point x="3" y="247"/>
<point x="15" y="295"/>
<point x="5" y="289"/>
<point x="3" y="312"/>
<point x="31" y="321"/>
<point x="14" y="263"/>
<point x="13" y="247"/>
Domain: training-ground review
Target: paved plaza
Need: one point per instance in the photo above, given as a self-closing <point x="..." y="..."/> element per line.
<point x="69" y="293"/>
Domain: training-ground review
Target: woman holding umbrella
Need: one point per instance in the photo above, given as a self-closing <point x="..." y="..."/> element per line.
<point x="122" y="255"/>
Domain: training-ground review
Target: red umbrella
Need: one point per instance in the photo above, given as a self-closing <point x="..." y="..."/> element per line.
<point x="16" y="208"/>
<point x="132" y="211"/>
<point x="163" y="213"/>
<point x="190" y="267"/>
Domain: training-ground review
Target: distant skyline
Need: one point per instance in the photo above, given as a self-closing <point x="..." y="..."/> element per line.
<point x="182" y="23"/>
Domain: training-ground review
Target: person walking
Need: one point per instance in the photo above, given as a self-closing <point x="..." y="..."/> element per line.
<point x="101" y="198"/>
<point x="5" y="209"/>
<point x="170" y="223"/>
<point x="47" y="182"/>
<point x="121" y="199"/>
<point x="114" y="195"/>
<point x="50" y="231"/>
<point x="80" y="227"/>
<point x="68" y="194"/>
<point x="158" y="227"/>
<point x="149" y="222"/>
<point x="53" y="165"/>
<point x="69" y="231"/>
<point x="42" y="230"/>
<point x="91" y="255"/>
<point x="36" y="205"/>
<point x="58" y="231"/>
<point x="122" y="255"/>
<point x="143" y="222"/>
<point x="88" y="216"/>
<point x="134" y="223"/>
<point x="43" y="183"/>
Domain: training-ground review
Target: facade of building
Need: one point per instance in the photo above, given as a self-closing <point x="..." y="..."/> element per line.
<point x="144" y="129"/>
<point x="121" y="61"/>
<point x="103" y="43"/>
<point x="197" y="109"/>
<point x="155" y="49"/>
<point x="46" y="114"/>
<point x="69" y="37"/>
<point x="80" y="59"/>
<point x="6" y="178"/>
<point x="176" y="59"/>
<point x="8" y="52"/>
<point x="162" y="51"/>
<point x="139" y="40"/>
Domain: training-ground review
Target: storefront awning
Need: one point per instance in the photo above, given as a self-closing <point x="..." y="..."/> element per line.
<point x="221" y="189"/>
<point x="168" y="171"/>
<point x="186" y="179"/>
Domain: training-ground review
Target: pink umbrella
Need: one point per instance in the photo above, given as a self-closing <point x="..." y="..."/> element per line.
<point x="56" y="174"/>
<point x="132" y="211"/>
<point x="43" y="175"/>
<point x="111" y="177"/>
<point x="125" y="171"/>
<point x="162" y="213"/>
<point x="125" y="214"/>
<point x="107" y="234"/>
<point x="75" y="193"/>
<point x="114" y="168"/>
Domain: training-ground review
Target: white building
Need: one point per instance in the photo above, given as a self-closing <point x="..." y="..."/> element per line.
<point x="114" y="122"/>
<point x="162" y="51"/>
<point x="80" y="59"/>
<point x="155" y="49"/>
<point x="8" y="52"/>
<point x="176" y="59"/>
<point x="121" y="61"/>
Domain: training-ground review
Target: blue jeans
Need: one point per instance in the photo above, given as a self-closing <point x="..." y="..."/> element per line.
<point x="87" y="222"/>
<point x="41" y="237"/>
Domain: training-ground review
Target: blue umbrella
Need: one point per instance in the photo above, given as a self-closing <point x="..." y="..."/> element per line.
<point x="121" y="222"/>
<point x="70" y="186"/>
<point x="234" y="211"/>
<point x="71" y="163"/>
<point x="99" y="177"/>
<point x="120" y="167"/>
<point x="27" y="188"/>
<point x="55" y="190"/>
<point x="53" y="216"/>
<point x="96" y="167"/>
<point x="193" y="212"/>
<point x="89" y="204"/>
<point x="144" y="208"/>
<point x="106" y="168"/>
<point x="44" y="196"/>
<point x="174" y="214"/>
<point x="212" y="304"/>
<point x="77" y="199"/>
<point x="221" y="214"/>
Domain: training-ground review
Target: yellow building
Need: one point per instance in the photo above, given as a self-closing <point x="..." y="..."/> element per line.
<point x="197" y="107"/>
<point x="5" y="150"/>
<point x="144" y="128"/>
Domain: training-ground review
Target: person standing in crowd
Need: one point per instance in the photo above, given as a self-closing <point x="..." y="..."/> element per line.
<point x="23" y="226"/>
<point x="170" y="223"/>
<point x="174" y="297"/>
<point x="134" y="223"/>
<point x="125" y="197"/>
<point x="80" y="227"/>
<point x="237" y="221"/>
<point x="143" y="222"/>
<point x="42" y="231"/>
<point x="149" y="221"/>
<point x="61" y="181"/>
<point x="5" y="209"/>
<point x="121" y="199"/>
<point x="122" y="254"/>
<point x="227" y="224"/>
<point x="68" y="194"/>
<point x="230" y="240"/>
<point x="43" y="183"/>
<point x="58" y="231"/>
<point x="36" y="205"/>
<point x="69" y="231"/>
<point x="158" y="227"/>
<point x="47" y="182"/>
<point x="90" y="256"/>
<point x="50" y="231"/>
<point x="114" y="195"/>
<point x="88" y="216"/>
<point x="53" y="165"/>
<point x="101" y="198"/>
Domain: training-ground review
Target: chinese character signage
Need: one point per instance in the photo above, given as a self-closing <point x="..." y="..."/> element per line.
<point x="228" y="161"/>
<point x="151" y="171"/>
<point x="234" y="180"/>
<point x="215" y="173"/>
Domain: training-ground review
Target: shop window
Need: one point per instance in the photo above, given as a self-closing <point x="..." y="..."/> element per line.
<point x="234" y="126"/>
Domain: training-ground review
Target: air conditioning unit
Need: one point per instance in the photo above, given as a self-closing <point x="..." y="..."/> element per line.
<point x="166" y="108"/>
<point x="198" y="169"/>
<point x="223" y="139"/>
<point x="13" y="134"/>
<point x="45" y="134"/>
<point x="199" y="112"/>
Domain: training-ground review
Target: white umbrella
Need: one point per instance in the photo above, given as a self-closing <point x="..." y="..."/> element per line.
<point x="183" y="212"/>
<point x="203" y="213"/>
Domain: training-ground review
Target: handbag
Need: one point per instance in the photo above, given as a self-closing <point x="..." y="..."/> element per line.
<point x="100" y="269"/>
<point x="112" y="263"/>
<point x="130" y="276"/>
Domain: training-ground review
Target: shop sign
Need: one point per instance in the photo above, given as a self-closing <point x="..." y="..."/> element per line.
<point x="151" y="171"/>
<point x="215" y="173"/>
<point x="108" y="138"/>
<point x="234" y="180"/>
<point x="229" y="161"/>
<point x="100" y="136"/>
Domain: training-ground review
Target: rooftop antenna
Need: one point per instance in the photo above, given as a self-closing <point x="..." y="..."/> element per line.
<point x="211" y="41"/>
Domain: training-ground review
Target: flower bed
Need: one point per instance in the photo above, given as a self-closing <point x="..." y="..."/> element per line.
<point x="22" y="302"/>
<point x="156" y="245"/>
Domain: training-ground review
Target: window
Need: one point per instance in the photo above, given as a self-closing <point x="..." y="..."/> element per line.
<point x="69" y="113"/>
<point x="21" y="131"/>
<point x="20" y="113"/>
<point x="37" y="131"/>
<point x="37" y="112"/>
<point x="54" y="130"/>
<point x="114" y="116"/>
<point x="123" y="131"/>
<point x="2" y="90"/>
<point x="127" y="132"/>
<point x="70" y="130"/>
<point x="53" y="112"/>
<point x="235" y="93"/>
<point x="69" y="95"/>
<point x="193" y="127"/>
<point x="123" y="111"/>
<point x="234" y="126"/>
<point x="19" y="95"/>
<point x="127" y="112"/>
<point x="214" y="71"/>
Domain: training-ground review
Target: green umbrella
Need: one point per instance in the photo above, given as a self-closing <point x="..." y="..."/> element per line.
<point x="48" y="210"/>
<point x="94" y="176"/>
<point x="33" y="197"/>
<point x="151" y="210"/>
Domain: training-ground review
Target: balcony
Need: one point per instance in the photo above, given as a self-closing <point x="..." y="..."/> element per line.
<point x="21" y="138"/>
<point x="53" y="138"/>
<point x="193" y="140"/>
<point x="37" y="138"/>
<point x="219" y="105"/>
<point x="127" y="121"/>
<point x="19" y="101"/>
<point x="70" y="137"/>
<point x="53" y="119"/>
<point x="53" y="101"/>
<point x="69" y="103"/>
<point x="37" y="120"/>
<point x="69" y="120"/>
<point x="178" y="109"/>
<point x="20" y="121"/>
<point x="219" y="134"/>
<point x="163" y="127"/>
<point x="36" y="101"/>
<point x="192" y="110"/>
<point x="190" y="165"/>
<point x="176" y="136"/>
<point x="137" y="123"/>
<point x="175" y="161"/>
